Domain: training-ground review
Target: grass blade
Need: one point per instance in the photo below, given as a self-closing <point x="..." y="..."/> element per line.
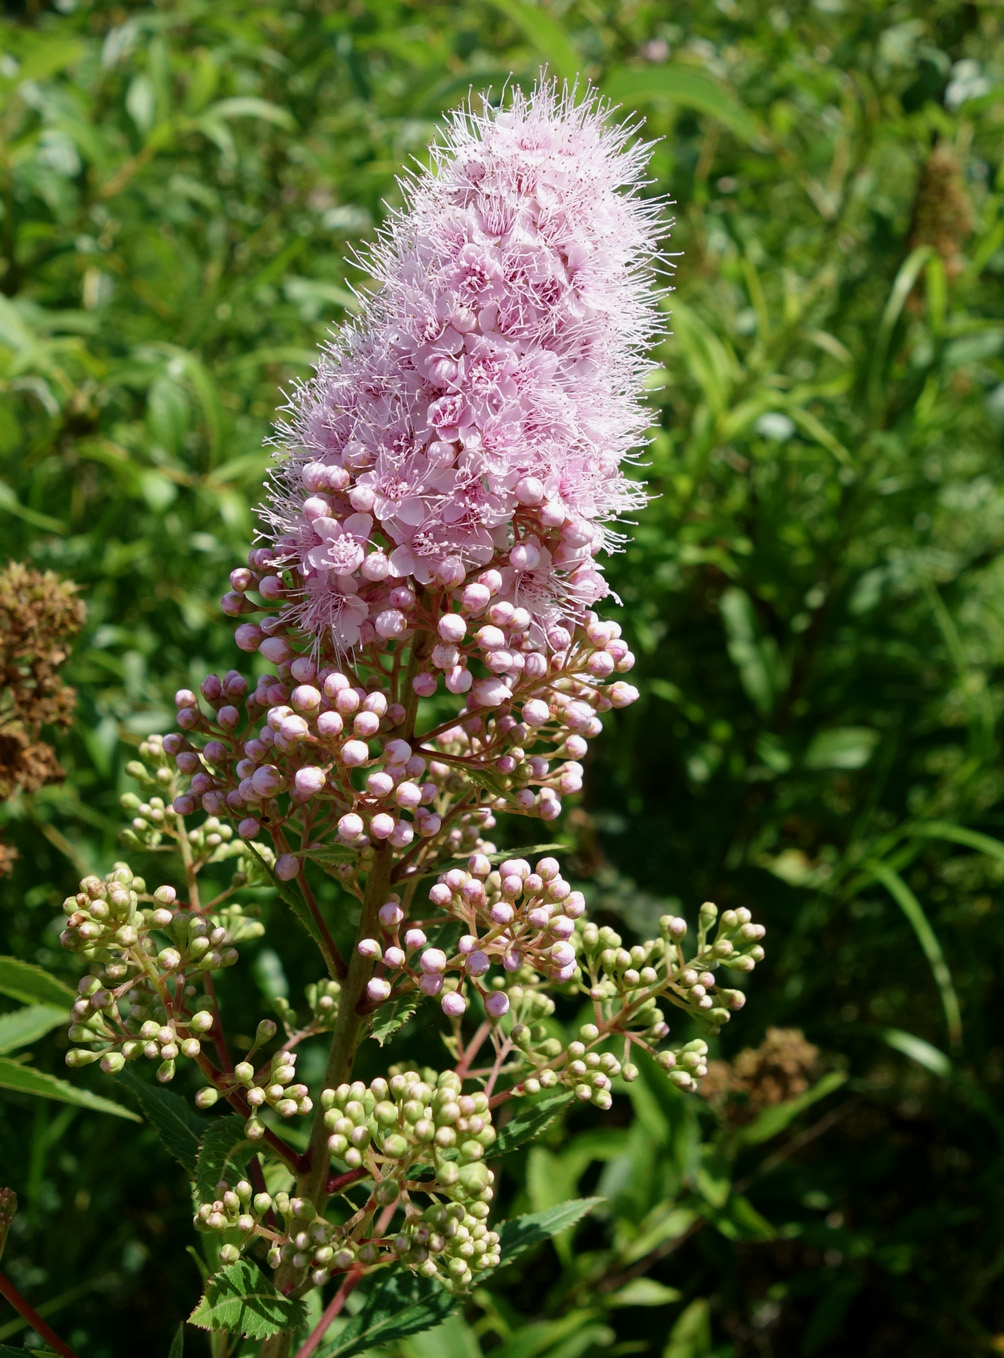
<point x="928" y="940"/>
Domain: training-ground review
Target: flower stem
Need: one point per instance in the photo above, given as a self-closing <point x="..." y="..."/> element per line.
<point x="29" y="1314"/>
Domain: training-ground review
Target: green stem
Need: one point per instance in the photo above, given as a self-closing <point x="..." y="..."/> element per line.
<point x="349" y="1023"/>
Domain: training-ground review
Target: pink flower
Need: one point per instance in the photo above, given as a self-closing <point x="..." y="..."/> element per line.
<point x="492" y="383"/>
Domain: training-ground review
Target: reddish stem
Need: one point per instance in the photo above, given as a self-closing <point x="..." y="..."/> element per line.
<point x="332" y="1310"/>
<point x="339" y="1181"/>
<point x="29" y="1314"/>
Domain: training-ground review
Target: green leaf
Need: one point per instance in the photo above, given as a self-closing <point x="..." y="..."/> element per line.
<point x="390" y="1017"/>
<point x="645" y="1292"/>
<point x="926" y="1055"/>
<point x="927" y="939"/>
<point x="241" y="1300"/>
<point x="841" y="747"/>
<point x="400" y="1305"/>
<point x="27" y="1080"/>
<point x="291" y="894"/>
<point x="178" y="1126"/>
<point x="530" y="1121"/>
<point x="24" y="1025"/>
<point x="223" y="1152"/>
<point x="774" y="1120"/>
<point x="523" y="1232"/>
<point x="177" y="1349"/>
<point x="959" y="834"/>
<point x="684" y="87"/>
<point x="751" y="654"/>
<point x="246" y="106"/>
<point x="902" y="286"/>
<point x="546" y="34"/>
<point x="24" y="981"/>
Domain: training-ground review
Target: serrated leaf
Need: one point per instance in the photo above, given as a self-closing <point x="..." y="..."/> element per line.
<point x="400" y="1305"/>
<point x="390" y="1017"/>
<point x="178" y="1126"/>
<point x="530" y="1121"/>
<point x="223" y="1152"/>
<point x="523" y="1232"/>
<point x="27" y="1080"/>
<point x="291" y="894"/>
<point x="32" y="985"/>
<point x="241" y="1300"/>
<point x="330" y="854"/>
<point x="24" y="1025"/>
<point x="775" y="1119"/>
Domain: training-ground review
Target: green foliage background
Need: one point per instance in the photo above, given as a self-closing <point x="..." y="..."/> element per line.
<point x="816" y="594"/>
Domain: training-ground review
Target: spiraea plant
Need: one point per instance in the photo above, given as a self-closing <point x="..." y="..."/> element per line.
<point x="421" y="608"/>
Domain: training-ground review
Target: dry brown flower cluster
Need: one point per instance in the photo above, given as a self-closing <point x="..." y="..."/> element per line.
<point x="39" y="613"/>
<point x="942" y="212"/>
<point x="781" y="1068"/>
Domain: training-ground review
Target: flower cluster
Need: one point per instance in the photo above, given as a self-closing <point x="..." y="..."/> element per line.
<point x="484" y="403"/>
<point x="427" y="658"/>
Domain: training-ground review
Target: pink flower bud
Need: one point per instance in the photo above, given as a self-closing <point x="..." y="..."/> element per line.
<point x="390" y="623"/>
<point x="489" y="638"/>
<point x="393" y="957"/>
<point x="377" y="989"/>
<point x="274" y="649"/>
<point x="309" y="780"/>
<point x="381" y="825"/>
<point x="474" y="598"/>
<point x="402" y="834"/>
<point x="414" y="938"/>
<point x="184" y="805"/>
<point x="350" y="826"/>
<point x="287" y="865"/>
<point x="524" y="556"/>
<point x="622" y="694"/>
<point x="426" y="684"/>
<point x="305" y="698"/>
<point x="329" y="724"/>
<point x="433" y="960"/>
<point x="369" y="948"/>
<point x="267" y="780"/>
<point x="440" y="894"/>
<point x="453" y="1004"/>
<point x="459" y="680"/>
<point x="478" y="963"/>
<point x="397" y="751"/>
<point x="430" y="984"/>
<point x="366" y="724"/>
<point x="452" y="627"/>
<point x="390" y="915"/>
<point x="496" y="1004"/>
<point x="353" y="753"/>
<point x="491" y="692"/>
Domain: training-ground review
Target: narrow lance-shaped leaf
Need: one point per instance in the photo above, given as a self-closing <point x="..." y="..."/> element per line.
<point x="30" y="984"/>
<point x="27" y="1080"/>
<point x="22" y="1026"/>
